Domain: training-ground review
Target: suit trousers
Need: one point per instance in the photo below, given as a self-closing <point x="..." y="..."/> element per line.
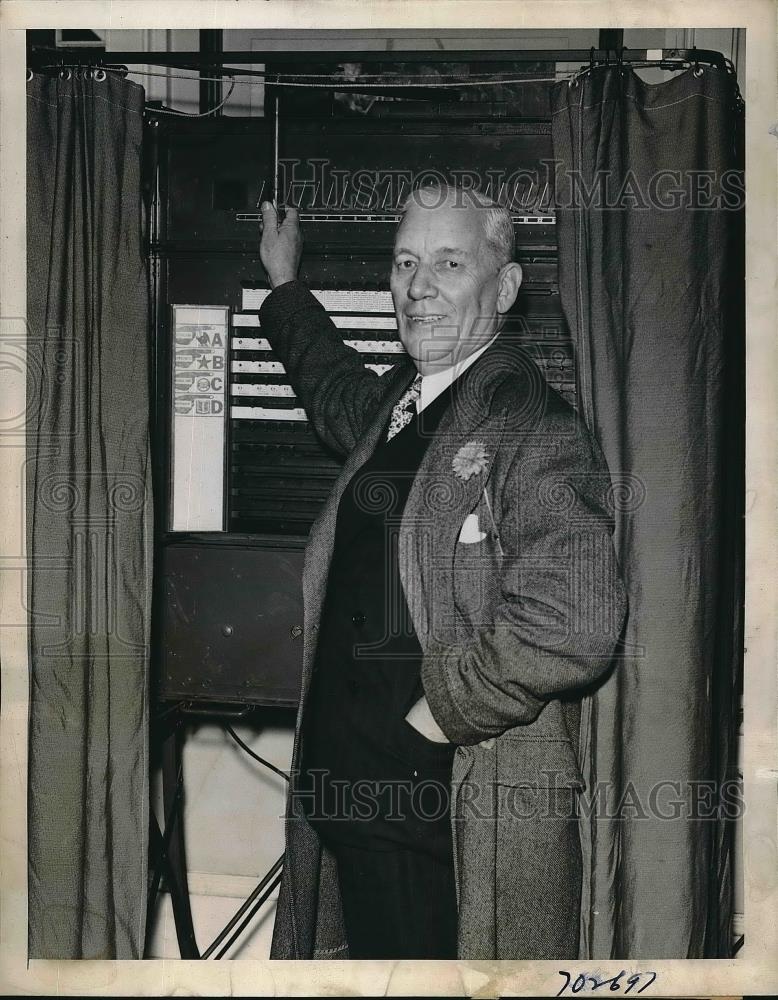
<point x="397" y="904"/>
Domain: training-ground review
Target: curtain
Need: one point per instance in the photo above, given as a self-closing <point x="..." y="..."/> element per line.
<point x="649" y="223"/>
<point x="89" y="524"/>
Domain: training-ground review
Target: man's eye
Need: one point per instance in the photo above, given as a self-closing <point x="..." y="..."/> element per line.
<point x="404" y="265"/>
<point x="450" y="265"/>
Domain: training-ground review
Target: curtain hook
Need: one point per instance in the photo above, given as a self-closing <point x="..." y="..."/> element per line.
<point x="620" y="59"/>
<point x="591" y="59"/>
<point x="697" y="71"/>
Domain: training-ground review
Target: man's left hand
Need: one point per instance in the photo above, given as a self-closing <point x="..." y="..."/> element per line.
<point x="423" y="722"/>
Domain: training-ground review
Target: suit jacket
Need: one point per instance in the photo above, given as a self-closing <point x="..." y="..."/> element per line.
<point x="513" y="627"/>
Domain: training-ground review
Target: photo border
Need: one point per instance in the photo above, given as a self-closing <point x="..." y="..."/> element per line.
<point x="755" y="969"/>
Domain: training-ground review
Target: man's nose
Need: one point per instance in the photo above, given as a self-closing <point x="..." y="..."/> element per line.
<point x="422" y="285"/>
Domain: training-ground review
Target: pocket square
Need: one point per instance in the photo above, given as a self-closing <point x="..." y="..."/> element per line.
<point x="471" y="531"/>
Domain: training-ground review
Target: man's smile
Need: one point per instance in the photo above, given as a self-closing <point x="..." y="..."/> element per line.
<point x="425" y="318"/>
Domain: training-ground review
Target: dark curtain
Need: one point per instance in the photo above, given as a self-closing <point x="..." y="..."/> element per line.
<point x="649" y="202"/>
<point x="88" y="519"/>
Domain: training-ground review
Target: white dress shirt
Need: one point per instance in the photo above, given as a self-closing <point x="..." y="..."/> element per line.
<point x="432" y="385"/>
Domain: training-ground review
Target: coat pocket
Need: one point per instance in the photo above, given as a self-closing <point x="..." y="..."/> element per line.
<point x="476" y="572"/>
<point x="470" y="533"/>
<point x="537" y="763"/>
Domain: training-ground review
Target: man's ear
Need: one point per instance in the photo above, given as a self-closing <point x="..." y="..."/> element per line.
<point x="508" y="285"/>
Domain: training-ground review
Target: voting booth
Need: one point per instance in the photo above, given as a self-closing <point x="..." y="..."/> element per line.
<point x="241" y="472"/>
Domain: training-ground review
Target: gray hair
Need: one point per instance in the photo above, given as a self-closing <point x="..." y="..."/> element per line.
<point x="497" y="222"/>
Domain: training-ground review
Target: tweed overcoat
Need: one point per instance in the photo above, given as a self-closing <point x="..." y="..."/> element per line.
<point x="513" y="626"/>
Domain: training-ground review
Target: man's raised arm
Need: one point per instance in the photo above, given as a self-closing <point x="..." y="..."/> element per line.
<point x="338" y="393"/>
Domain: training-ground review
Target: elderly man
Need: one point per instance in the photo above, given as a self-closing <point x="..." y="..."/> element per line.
<point x="460" y="591"/>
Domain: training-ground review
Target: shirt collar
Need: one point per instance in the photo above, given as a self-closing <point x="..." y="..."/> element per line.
<point x="432" y="385"/>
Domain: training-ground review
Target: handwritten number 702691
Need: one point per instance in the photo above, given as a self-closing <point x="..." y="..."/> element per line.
<point x="616" y="984"/>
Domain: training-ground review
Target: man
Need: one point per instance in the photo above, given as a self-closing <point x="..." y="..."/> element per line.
<point x="460" y="591"/>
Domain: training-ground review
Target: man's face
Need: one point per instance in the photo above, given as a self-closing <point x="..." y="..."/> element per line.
<point x="444" y="284"/>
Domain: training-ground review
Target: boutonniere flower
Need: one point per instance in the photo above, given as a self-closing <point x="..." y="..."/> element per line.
<point x="472" y="460"/>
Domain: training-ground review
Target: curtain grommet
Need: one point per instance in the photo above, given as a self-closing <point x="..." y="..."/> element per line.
<point x="29" y="76"/>
<point x="698" y="71"/>
<point x="100" y="75"/>
<point x="65" y="74"/>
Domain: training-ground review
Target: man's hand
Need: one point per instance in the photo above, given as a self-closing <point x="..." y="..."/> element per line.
<point x="423" y="722"/>
<point x="281" y="246"/>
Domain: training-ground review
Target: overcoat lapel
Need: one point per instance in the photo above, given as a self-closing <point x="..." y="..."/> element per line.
<point x="439" y="501"/>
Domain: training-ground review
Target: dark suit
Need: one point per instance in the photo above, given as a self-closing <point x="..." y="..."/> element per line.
<point x="376" y="790"/>
<point x="366" y="674"/>
<point x="511" y="628"/>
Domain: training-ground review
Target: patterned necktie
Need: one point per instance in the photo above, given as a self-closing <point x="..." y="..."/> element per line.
<point x="402" y="414"/>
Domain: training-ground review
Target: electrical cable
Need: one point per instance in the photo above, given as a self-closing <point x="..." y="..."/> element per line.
<point x="192" y="114"/>
<point x="256" y="756"/>
<point x="265" y="879"/>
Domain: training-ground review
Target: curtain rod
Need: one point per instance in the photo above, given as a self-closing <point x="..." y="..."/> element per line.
<point x="197" y="60"/>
